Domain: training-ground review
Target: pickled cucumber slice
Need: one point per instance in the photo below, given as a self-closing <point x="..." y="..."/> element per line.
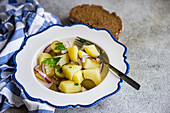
<point x="42" y="57"/>
<point x="52" y="53"/>
<point x="58" y="74"/>
<point x="53" y="87"/>
<point x="53" y="47"/>
<point x="88" y="84"/>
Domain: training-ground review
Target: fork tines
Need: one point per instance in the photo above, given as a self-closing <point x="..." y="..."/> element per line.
<point x="77" y="43"/>
<point x="81" y="41"/>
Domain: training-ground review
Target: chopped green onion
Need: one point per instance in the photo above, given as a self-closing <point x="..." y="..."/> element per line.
<point x="59" y="69"/>
<point x="76" y="84"/>
<point x="60" y="46"/>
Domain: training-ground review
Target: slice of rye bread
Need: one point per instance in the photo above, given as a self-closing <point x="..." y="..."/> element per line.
<point x="98" y="17"/>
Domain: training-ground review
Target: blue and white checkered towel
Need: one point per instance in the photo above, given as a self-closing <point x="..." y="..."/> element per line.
<point x="19" y="19"/>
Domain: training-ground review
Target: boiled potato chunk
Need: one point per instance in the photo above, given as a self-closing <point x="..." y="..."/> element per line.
<point x="81" y="53"/>
<point x="64" y="59"/>
<point x="40" y="77"/>
<point x="93" y="74"/>
<point x="73" y="53"/>
<point x="91" y="50"/>
<point x="90" y="64"/>
<point x="69" y="86"/>
<point x="50" y="71"/>
<point x="42" y="57"/>
<point x="53" y="46"/>
<point x="58" y="75"/>
<point x="78" y="77"/>
<point x="70" y="69"/>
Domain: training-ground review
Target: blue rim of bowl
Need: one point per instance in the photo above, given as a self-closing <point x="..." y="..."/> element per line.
<point x="67" y="106"/>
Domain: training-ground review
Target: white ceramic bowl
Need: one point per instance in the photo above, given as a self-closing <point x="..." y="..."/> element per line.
<point x="26" y="59"/>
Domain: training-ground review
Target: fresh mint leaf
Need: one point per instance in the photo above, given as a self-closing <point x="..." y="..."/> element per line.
<point x="44" y="61"/>
<point x="59" y="69"/>
<point x="60" y="46"/>
<point x="52" y="62"/>
<point x="56" y="60"/>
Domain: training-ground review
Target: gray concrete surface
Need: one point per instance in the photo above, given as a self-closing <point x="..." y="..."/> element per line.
<point x="147" y="36"/>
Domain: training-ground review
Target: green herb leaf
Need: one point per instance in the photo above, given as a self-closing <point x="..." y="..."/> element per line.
<point x="60" y="46"/>
<point x="82" y="40"/>
<point x="59" y="69"/>
<point x="76" y="84"/>
<point x="52" y="62"/>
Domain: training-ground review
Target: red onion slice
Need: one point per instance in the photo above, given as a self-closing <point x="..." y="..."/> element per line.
<point x="63" y="51"/>
<point x="47" y="49"/>
<point x="101" y="67"/>
<point x="67" y="45"/>
<point x="36" y="69"/>
<point x="95" y="58"/>
<point x="43" y="68"/>
<point x="57" y="82"/>
<point x="72" y="62"/>
<point x="87" y="56"/>
<point x="79" y="62"/>
<point x="83" y="59"/>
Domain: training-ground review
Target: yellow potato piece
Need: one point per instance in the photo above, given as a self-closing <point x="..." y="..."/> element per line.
<point x="91" y="50"/>
<point x="58" y="75"/>
<point x="53" y="46"/>
<point x="64" y="59"/>
<point x="70" y="69"/>
<point x="81" y="53"/>
<point x="73" y="53"/>
<point x="93" y="74"/>
<point x="78" y="77"/>
<point x="69" y="86"/>
<point x="50" y="71"/>
<point x="90" y="64"/>
<point x="42" y="57"/>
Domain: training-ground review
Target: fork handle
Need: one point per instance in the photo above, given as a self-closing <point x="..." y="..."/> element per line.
<point x="127" y="79"/>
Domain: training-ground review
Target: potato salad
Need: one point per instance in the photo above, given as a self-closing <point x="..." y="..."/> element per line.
<point x="69" y="69"/>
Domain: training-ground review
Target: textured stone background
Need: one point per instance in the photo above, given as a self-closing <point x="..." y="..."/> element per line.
<point x="147" y="37"/>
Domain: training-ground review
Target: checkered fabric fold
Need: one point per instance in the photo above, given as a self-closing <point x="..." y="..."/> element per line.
<point x="18" y="20"/>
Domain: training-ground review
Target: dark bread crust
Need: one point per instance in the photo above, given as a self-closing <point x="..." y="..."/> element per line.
<point x="98" y="17"/>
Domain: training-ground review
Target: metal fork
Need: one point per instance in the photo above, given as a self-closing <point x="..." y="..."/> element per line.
<point x="79" y="42"/>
